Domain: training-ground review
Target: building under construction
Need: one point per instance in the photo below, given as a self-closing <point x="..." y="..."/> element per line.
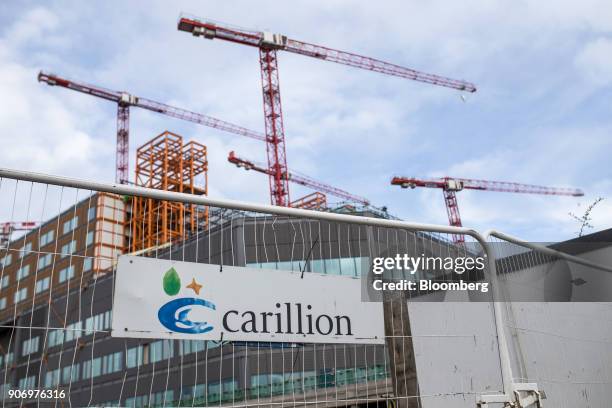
<point x="79" y="352"/>
<point x="79" y="244"/>
<point x="167" y="163"/>
<point x="62" y="270"/>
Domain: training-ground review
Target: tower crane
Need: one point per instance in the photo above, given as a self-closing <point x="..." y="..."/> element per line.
<point x="125" y="100"/>
<point x="268" y="44"/>
<point x="301" y="180"/>
<point x="7" y="228"/>
<point x="451" y="185"/>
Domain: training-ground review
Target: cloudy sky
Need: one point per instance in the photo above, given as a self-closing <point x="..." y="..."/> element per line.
<point x="542" y="113"/>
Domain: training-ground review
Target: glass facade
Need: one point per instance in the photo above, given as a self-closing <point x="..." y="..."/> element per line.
<point x="337" y="266"/>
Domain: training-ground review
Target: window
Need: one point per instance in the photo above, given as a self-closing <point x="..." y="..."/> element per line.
<point x="139" y="401"/>
<point x="8" y="358"/>
<point x="87" y="263"/>
<point x="52" y="378"/>
<point x="73" y="331"/>
<point x="55" y="337"/>
<point x="97" y="322"/>
<point x="112" y="363"/>
<point x="68" y="249"/>
<point x="161" y="350"/>
<point x="229" y="387"/>
<point x="348" y="266"/>
<point x="190" y="392"/>
<point x="27" y="382"/>
<point x="107" y="319"/>
<point x="30" y="346"/>
<point x="134" y="357"/>
<point x="27" y="248"/>
<point x="23" y="272"/>
<point x="20" y="295"/>
<point x="70" y="373"/>
<point x="162" y="398"/>
<point x="89" y="239"/>
<point x="336" y="266"/>
<point x="214" y="389"/>
<point x="46" y="238"/>
<point x="5" y="281"/>
<point x="91" y="213"/>
<point x="332" y="266"/>
<point x="44" y="261"/>
<point x="264" y="265"/>
<point x="2" y="307"/>
<point x="6" y="261"/>
<point x="92" y="368"/>
<point x="42" y="285"/>
<point x="71" y="224"/>
<point x="191" y="346"/>
<point x="66" y="274"/>
<point x="58" y="336"/>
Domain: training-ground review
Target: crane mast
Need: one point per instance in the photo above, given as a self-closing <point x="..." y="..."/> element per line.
<point x="451" y="185"/>
<point x="268" y="44"/>
<point x="7" y="228"/>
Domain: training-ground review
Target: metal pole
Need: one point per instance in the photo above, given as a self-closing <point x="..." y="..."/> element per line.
<point x="546" y="250"/>
<point x="122" y="189"/>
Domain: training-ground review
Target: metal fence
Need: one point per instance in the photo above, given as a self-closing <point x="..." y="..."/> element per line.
<point x="557" y="315"/>
<point x="57" y="285"/>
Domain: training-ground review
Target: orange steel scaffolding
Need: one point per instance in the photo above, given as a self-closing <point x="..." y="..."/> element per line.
<point x="315" y="201"/>
<point x="166" y="163"/>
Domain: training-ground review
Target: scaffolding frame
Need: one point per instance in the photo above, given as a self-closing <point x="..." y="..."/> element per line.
<point x="166" y="163"/>
<point x="313" y="201"/>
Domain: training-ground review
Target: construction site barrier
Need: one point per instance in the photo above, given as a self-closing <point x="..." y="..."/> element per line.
<point x="57" y="332"/>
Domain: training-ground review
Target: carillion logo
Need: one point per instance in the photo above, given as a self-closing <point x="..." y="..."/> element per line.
<point x="287" y="317"/>
<point x="174" y="314"/>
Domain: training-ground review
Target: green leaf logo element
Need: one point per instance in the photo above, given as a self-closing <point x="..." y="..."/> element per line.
<point x="172" y="282"/>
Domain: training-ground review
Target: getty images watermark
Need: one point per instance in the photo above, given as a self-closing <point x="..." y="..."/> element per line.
<point x="523" y="275"/>
<point x="426" y="277"/>
<point x="427" y="273"/>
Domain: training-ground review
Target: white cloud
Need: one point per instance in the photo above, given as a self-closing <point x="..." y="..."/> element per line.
<point x="41" y="132"/>
<point x="595" y="60"/>
<point x="346" y="127"/>
<point x="32" y="25"/>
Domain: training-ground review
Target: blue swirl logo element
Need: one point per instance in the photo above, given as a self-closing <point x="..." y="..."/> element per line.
<point x="173" y="315"/>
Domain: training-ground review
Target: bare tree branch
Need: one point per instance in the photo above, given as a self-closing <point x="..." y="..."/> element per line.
<point x="585" y="219"/>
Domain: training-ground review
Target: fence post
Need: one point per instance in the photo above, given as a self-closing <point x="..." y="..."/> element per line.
<point x="401" y="352"/>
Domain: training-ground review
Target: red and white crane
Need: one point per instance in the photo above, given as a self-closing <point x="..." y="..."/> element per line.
<point x="299" y="179"/>
<point x="450" y="186"/>
<point x="268" y="44"/>
<point x="7" y="228"/>
<point x="124" y="100"/>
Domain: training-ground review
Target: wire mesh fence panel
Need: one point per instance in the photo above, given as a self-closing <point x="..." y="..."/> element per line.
<point x="58" y="282"/>
<point x="557" y="313"/>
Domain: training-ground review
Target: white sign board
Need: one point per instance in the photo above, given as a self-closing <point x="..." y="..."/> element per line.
<point x="181" y="300"/>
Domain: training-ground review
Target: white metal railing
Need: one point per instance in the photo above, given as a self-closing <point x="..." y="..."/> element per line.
<point x="545" y="250"/>
<point x="510" y="389"/>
